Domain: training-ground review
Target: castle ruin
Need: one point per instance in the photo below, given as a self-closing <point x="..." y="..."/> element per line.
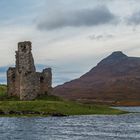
<point x="23" y="80"/>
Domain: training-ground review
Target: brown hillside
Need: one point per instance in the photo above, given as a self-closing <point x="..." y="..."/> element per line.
<point x="115" y="79"/>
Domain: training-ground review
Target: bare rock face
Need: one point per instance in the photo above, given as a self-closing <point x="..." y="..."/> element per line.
<point x="23" y="80"/>
<point x="115" y="78"/>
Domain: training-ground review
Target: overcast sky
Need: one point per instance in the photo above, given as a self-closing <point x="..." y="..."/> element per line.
<point x="71" y="36"/>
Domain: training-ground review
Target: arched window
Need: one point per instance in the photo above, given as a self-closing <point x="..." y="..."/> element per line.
<point x="23" y="48"/>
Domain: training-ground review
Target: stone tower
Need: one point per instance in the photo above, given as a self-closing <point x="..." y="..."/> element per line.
<point x="23" y="80"/>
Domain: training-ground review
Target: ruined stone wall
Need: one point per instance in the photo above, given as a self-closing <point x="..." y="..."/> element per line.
<point x="23" y="80"/>
<point x="24" y="58"/>
<point x="29" y="88"/>
<point x="11" y="78"/>
<point x="17" y="84"/>
<point x="46" y="79"/>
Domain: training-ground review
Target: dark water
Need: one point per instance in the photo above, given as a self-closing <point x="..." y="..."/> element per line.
<point x="122" y="127"/>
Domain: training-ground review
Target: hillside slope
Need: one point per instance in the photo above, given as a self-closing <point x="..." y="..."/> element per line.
<point x="114" y="79"/>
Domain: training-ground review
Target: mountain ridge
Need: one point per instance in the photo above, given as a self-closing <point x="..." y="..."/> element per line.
<point x="115" y="78"/>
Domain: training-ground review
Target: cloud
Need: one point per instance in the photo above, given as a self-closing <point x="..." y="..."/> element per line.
<point x="100" y="37"/>
<point x="84" y="17"/>
<point x="134" y="19"/>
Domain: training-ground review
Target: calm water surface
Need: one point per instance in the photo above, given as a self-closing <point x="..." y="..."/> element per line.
<point x="131" y="109"/>
<point x="122" y="127"/>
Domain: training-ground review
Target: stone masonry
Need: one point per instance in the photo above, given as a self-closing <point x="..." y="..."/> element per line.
<point x="23" y="80"/>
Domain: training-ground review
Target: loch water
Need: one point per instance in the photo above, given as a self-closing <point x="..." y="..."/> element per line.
<point x="92" y="127"/>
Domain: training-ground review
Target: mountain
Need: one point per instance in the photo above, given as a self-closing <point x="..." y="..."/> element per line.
<point x="114" y="80"/>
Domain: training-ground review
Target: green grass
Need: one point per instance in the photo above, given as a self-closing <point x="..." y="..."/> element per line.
<point x="48" y="105"/>
<point x="3" y="89"/>
<point x="49" y="98"/>
<point x="4" y="96"/>
<point x="51" y="107"/>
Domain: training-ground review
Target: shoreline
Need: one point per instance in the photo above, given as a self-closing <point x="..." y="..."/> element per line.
<point x="37" y="115"/>
<point x="54" y="108"/>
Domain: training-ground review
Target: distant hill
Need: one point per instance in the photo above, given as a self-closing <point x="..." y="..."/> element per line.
<point x="115" y="79"/>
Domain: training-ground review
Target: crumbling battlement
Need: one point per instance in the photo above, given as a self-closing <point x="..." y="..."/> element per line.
<point x="23" y="80"/>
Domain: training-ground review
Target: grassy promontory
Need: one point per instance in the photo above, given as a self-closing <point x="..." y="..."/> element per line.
<point x="48" y="106"/>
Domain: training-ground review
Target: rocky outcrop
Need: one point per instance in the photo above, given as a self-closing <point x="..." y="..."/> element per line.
<point x="116" y="78"/>
<point x="23" y="80"/>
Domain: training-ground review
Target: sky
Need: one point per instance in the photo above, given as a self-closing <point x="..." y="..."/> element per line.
<point x="70" y="36"/>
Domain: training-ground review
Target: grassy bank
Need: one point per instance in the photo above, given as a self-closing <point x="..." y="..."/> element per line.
<point x="41" y="107"/>
<point x="49" y="106"/>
